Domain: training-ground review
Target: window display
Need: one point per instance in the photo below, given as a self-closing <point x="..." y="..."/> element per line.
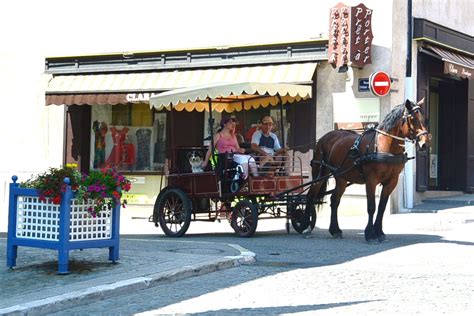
<point x="159" y="138"/>
<point x="100" y="130"/>
<point x="123" y="135"/>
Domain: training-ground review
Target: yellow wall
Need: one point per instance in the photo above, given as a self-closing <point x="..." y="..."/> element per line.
<point x="145" y="188"/>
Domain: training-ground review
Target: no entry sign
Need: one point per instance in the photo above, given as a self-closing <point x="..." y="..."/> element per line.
<point x="380" y="83"/>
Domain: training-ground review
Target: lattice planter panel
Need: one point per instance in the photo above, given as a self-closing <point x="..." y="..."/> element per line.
<point x="33" y="223"/>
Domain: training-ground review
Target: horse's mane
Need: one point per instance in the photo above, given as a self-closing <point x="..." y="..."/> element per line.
<point x="393" y="118"/>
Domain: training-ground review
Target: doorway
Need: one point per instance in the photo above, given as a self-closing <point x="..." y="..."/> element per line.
<point x="78" y="136"/>
<point x="448" y="127"/>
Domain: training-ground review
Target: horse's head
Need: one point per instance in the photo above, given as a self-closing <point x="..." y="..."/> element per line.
<point x="415" y="123"/>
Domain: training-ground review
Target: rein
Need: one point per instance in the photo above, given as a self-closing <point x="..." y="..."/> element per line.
<point x="311" y="145"/>
<point x="397" y="137"/>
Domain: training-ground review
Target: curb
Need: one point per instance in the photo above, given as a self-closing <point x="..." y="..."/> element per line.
<point x="67" y="300"/>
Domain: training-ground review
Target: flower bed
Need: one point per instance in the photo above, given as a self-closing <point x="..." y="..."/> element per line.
<point x="73" y="214"/>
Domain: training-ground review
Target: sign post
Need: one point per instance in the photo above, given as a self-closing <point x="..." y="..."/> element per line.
<point x="380" y="83"/>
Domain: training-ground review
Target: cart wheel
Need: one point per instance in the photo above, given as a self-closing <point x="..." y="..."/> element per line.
<point x="244" y="218"/>
<point x="297" y="214"/>
<point x="173" y="210"/>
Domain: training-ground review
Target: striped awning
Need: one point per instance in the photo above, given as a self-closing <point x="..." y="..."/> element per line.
<point x="454" y="63"/>
<point x="123" y="88"/>
<point x="230" y="97"/>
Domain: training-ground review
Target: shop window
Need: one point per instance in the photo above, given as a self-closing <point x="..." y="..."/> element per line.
<point x="131" y="138"/>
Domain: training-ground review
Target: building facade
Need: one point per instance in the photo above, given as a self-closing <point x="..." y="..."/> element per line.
<point x="92" y="109"/>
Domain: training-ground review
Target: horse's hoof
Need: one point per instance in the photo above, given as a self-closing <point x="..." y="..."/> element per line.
<point x="337" y="235"/>
<point x="382" y="239"/>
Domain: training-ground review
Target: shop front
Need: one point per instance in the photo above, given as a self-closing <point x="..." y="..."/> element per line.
<point x="109" y="122"/>
<point x="445" y="79"/>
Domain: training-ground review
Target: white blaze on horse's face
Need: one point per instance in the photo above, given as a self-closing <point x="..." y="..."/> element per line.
<point x="416" y="123"/>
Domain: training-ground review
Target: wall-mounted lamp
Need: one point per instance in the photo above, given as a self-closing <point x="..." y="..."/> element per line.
<point x="343" y="68"/>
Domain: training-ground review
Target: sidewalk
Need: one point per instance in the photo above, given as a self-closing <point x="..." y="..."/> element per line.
<point x="33" y="286"/>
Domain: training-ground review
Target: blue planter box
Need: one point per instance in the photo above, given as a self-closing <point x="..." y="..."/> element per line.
<point x="32" y="223"/>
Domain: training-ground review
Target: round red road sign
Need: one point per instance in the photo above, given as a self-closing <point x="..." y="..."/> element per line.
<point x="379" y="83"/>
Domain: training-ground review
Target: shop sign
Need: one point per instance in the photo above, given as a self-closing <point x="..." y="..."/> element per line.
<point x="135" y="198"/>
<point x="456" y="70"/>
<point x="353" y="112"/>
<point x="364" y="85"/>
<point x="139" y="97"/>
<point x="350" y="35"/>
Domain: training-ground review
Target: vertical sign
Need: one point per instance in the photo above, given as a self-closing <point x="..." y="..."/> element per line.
<point x="350" y="35"/>
<point x="361" y="36"/>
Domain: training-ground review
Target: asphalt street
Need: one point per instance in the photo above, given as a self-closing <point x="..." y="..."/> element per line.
<point x="425" y="268"/>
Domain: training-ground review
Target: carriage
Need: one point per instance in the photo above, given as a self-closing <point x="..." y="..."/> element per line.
<point x="220" y="192"/>
<point x="376" y="156"/>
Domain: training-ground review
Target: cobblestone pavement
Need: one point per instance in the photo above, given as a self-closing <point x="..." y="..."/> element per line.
<point x="425" y="269"/>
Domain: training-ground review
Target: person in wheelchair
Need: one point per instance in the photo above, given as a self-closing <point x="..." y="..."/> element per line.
<point x="266" y="144"/>
<point x="226" y="142"/>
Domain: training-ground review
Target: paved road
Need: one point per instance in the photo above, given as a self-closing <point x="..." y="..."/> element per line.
<point x="425" y="268"/>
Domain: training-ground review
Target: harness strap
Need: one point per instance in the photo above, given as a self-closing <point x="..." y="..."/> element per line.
<point x="385" y="157"/>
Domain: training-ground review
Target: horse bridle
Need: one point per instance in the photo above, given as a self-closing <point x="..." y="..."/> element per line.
<point x="415" y="137"/>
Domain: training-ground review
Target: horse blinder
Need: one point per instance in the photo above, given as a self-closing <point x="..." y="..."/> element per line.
<point x="413" y="134"/>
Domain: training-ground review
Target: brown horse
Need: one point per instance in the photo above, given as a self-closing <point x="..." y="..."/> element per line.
<point x="373" y="157"/>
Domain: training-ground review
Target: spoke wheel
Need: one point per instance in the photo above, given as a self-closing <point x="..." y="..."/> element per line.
<point x="297" y="213"/>
<point x="244" y="218"/>
<point x="173" y="210"/>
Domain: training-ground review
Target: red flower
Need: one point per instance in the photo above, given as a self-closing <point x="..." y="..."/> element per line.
<point x="127" y="186"/>
<point x="57" y="199"/>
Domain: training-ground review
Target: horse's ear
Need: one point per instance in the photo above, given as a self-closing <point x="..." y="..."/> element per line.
<point x="421" y="102"/>
<point x="408" y="105"/>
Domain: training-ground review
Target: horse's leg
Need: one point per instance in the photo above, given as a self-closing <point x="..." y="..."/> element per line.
<point x="370" y="192"/>
<point x="384" y="195"/>
<point x="334" y="229"/>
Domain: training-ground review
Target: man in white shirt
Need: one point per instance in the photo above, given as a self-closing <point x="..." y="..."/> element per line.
<point x="267" y="146"/>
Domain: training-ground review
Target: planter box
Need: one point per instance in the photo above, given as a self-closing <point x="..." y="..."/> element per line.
<point x="32" y="223"/>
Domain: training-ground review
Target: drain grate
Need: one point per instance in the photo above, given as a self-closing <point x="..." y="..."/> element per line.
<point x="200" y="251"/>
<point x="276" y="264"/>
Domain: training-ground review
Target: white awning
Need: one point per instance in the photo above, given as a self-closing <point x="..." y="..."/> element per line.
<point x="170" y="80"/>
<point x="230" y="97"/>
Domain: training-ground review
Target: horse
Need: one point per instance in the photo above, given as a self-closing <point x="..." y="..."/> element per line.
<point x="374" y="157"/>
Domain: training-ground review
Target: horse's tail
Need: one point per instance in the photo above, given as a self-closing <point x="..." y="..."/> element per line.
<point x="317" y="191"/>
<point x="319" y="198"/>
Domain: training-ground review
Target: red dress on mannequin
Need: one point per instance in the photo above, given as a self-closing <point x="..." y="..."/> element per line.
<point x="122" y="155"/>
